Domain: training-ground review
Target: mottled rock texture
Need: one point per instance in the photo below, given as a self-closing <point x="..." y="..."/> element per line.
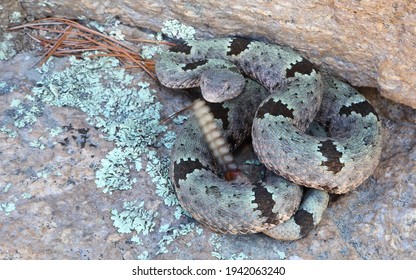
<point x="366" y="42"/>
<point x="57" y="211"/>
<point x="51" y="208"/>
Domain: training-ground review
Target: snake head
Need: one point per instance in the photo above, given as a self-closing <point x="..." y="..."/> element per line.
<point x="218" y="85"/>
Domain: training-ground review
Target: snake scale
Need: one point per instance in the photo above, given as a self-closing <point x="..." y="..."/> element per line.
<point x="315" y="133"/>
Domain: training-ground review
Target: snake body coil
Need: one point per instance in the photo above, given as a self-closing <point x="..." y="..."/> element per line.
<point x="312" y="130"/>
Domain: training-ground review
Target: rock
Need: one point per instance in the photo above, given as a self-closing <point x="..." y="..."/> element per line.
<point x="51" y="208"/>
<point x="367" y="43"/>
<point x="11" y="13"/>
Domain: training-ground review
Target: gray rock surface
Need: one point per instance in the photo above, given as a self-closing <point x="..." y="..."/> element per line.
<point x="367" y="43"/>
<point x="53" y="159"/>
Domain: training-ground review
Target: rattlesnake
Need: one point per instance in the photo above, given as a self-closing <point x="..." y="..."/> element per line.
<point x="310" y="129"/>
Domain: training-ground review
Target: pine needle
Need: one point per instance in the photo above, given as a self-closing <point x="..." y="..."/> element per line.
<point x="75" y="39"/>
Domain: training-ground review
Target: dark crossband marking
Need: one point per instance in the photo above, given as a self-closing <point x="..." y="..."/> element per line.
<point x="305" y="221"/>
<point x="303" y="67"/>
<point x="181" y="49"/>
<point x="363" y="108"/>
<point x="220" y="112"/>
<point x="275" y="109"/>
<point x="265" y="203"/>
<point x="185" y="167"/>
<point x="193" y="65"/>
<point x="328" y="150"/>
<point x="238" y="45"/>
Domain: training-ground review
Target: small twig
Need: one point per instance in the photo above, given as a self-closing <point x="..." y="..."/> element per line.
<point x="51" y="51"/>
<point x="152" y="42"/>
<point x="168" y="118"/>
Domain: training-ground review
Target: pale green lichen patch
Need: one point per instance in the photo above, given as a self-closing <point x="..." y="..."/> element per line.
<point x="44" y="174"/>
<point x="7" y="50"/>
<point x="53" y="132"/>
<point x="252" y="162"/>
<point x="179" y="212"/>
<point x="117" y="34"/>
<point x="38" y="143"/>
<point x="46" y="3"/>
<point x="128" y="116"/>
<point x="96" y="25"/>
<point x="281" y="255"/>
<point x="158" y="171"/>
<point x="115" y="172"/>
<point x="26" y="195"/>
<point x="219" y="253"/>
<point x="137" y="240"/>
<point x="7" y="187"/>
<point x="16" y="17"/>
<point x="7" y="207"/>
<point x="168" y="140"/>
<point x="8" y="132"/>
<point x="134" y="217"/>
<point x="149" y="51"/>
<point x="25" y="112"/>
<point x="176" y="29"/>
<point x="180" y="119"/>
<point x="143" y="256"/>
<point x="172" y="234"/>
<point x="6" y="88"/>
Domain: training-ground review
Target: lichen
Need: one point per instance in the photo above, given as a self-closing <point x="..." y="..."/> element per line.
<point x="174" y="233"/>
<point x="218" y="253"/>
<point x="26" y="195"/>
<point x="117" y="34"/>
<point x="8" y="132"/>
<point x="148" y="52"/>
<point x="53" y="132"/>
<point x="134" y="217"/>
<point x="97" y="26"/>
<point x="180" y="119"/>
<point x="136" y="238"/>
<point x="46" y="3"/>
<point x="143" y="256"/>
<point x="6" y="88"/>
<point x="128" y="116"/>
<point x="25" y="112"/>
<point x="7" y="50"/>
<point x="7" y="187"/>
<point x="158" y="171"/>
<point x="16" y="17"/>
<point x="281" y="255"/>
<point x="127" y="113"/>
<point x="7" y="207"/>
<point x="48" y="170"/>
<point x="114" y="173"/>
<point x="252" y="162"/>
<point x="179" y="212"/>
<point x="168" y="140"/>
<point x="38" y="143"/>
<point x="175" y="29"/>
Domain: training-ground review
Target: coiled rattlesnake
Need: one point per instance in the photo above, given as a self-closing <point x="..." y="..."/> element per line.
<point x="310" y="129"/>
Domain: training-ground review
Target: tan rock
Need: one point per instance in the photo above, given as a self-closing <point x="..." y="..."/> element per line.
<point x="57" y="212"/>
<point x="367" y="43"/>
